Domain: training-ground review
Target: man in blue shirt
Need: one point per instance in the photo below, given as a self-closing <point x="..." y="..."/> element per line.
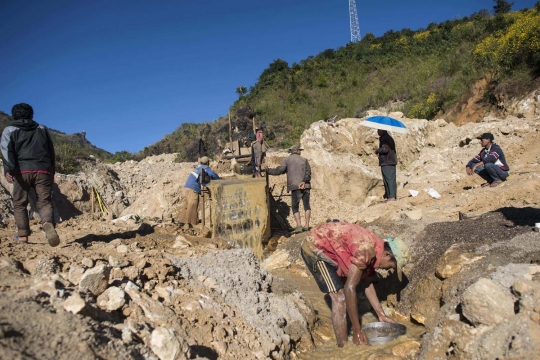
<point x="192" y="189"/>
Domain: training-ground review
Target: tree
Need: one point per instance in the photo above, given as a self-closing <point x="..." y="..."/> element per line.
<point x="502" y="6"/>
<point x="241" y="90"/>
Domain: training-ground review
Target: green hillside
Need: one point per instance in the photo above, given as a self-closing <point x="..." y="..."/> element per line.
<point x="424" y="73"/>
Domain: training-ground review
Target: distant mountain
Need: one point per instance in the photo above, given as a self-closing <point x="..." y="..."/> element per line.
<point x="69" y="148"/>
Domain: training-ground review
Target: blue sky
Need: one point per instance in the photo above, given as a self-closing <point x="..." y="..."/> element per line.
<point x="129" y="72"/>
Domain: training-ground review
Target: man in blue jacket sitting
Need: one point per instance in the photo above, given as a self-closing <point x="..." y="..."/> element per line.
<point x="490" y="163"/>
<point x="192" y="189"/>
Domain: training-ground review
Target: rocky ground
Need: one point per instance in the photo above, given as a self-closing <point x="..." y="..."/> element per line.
<point x="132" y="284"/>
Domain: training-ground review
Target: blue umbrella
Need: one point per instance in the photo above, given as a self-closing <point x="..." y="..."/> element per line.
<point x="385" y="123"/>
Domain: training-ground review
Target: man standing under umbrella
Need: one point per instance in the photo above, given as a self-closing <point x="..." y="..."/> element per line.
<point x="387" y="162"/>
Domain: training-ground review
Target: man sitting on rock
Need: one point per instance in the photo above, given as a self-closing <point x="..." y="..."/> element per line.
<point x="340" y="256"/>
<point x="192" y="189"/>
<point x="490" y="163"/>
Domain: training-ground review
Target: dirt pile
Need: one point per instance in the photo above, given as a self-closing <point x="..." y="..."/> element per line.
<point x="123" y="298"/>
<point x="280" y="320"/>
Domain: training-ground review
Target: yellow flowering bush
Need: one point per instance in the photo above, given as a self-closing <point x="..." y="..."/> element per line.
<point x="403" y="42"/>
<point x="425" y="109"/>
<point x="422" y="36"/>
<point x="517" y="43"/>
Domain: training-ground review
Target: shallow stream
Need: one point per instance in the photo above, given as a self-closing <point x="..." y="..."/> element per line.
<point x="325" y="342"/>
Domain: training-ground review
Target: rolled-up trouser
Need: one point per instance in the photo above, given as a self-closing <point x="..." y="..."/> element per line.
<point x="491" y="172"/>
<point x="190" y="214"/>
<point x="389" y="179"/>
<point x="298" y="195"/>
<point x="42" y="185"/>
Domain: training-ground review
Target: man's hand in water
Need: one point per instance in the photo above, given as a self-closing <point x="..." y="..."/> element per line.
<point x="359" y="337"/>
<point x="384" y="318"/>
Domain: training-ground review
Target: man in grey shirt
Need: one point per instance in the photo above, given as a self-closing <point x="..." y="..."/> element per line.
<point x="258" y="153"/>
<point x="299" y="182"/>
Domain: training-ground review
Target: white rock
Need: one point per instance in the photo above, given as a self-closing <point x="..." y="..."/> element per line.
<point x="74" y="304"/>
<point x="167" y="345"/>
<point x="440" y="123"/>
<point x="414" y="214"/>
<point x="75" y="274"/>
<point x="87" y="262"/>
<point x="122" y="248"/>
<point x="96" y="279"/>
<point x="115" y="262"/>
<point x="111" y="299"/>
<point x="486" y="303"/>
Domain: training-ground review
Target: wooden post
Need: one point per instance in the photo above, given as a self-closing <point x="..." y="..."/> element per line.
<point x="92" y="200"/>
<point x="210" y="208"/>
<point x="203" y="221"/>
<point x="202" y="187"/>
<point x="230" y="130"/>
<point x="254" y="128"/>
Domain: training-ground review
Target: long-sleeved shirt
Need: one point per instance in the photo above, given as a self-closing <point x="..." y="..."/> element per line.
<point x="193" y="182"/>
<point x="493" y="154"/>
<point x="387" y="151"/>
<point x="297" y="169"/>
<point x="27" y="147"/>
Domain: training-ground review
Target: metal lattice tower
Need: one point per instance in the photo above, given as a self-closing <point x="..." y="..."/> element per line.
<point x="355" y="28"/>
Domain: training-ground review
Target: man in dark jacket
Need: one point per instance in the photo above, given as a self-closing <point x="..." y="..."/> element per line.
<point x="28" y="156"/>
<point x="299" y="182"/>
<point x="490" y="163"/>
<point x="387" y="162"/>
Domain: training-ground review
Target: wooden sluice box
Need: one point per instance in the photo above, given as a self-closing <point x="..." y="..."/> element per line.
<point x="240" y="212"/>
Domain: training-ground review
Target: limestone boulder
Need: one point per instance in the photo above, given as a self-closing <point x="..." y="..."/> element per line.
<point x="74" y="304"/>
<point x="515" y="338"/>
<point x="75" y="274"/>
<point x="406" y="349"/>
<point x="95" y="279"/>
<point x="167" y="345"/>
<point x="453" y="261"/>
<point x="507" y="275"/>
<point x="111" y="299"/>
<point x="486" y="303"/>
<point x="426" y="304"/>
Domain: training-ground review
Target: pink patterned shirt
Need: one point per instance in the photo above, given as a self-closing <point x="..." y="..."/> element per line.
<point x="338" y="242"/>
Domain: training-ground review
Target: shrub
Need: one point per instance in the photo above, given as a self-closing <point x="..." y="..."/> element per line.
<point x="517" y="44"/>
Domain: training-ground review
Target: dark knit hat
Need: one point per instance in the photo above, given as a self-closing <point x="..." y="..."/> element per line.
<point x="22" y="111"/>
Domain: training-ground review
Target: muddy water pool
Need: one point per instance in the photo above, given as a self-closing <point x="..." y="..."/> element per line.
<point x="323" y="335"/>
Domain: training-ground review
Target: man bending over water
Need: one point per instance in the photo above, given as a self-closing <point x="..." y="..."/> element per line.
<point x="340" y="255"/>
